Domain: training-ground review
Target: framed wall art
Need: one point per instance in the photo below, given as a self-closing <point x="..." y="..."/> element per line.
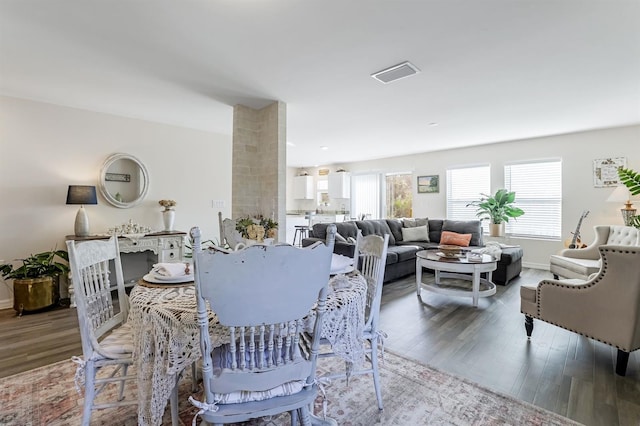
<point x="428" y="184"/>
<point x="605" y="171"/>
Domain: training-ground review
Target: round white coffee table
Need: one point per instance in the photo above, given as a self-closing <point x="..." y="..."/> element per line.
<point x="460" y="268"/>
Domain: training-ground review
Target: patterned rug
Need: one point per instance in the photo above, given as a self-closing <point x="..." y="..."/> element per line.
<point x="413" y="394"/>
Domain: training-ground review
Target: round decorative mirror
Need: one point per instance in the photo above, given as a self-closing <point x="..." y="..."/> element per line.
<point x="124" y="180"/>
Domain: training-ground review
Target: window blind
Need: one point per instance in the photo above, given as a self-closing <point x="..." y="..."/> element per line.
<point x="538" y="188"/>
<point x="465" y="185"/>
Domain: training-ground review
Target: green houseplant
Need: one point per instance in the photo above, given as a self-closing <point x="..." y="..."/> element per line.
<point x="36" y="281"/>
<point x="498" y="209"/>
<point x="631" y="180"/>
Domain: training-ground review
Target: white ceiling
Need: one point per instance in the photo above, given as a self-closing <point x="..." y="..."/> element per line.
<point x="492" y="70"/>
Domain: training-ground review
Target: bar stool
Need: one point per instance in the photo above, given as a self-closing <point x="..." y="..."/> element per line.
<point x="302" y="231"/>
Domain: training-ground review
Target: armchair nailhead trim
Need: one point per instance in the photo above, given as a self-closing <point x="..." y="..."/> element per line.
<point x="595" y="281"/>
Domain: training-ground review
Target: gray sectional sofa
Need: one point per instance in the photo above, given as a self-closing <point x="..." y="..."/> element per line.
<point x="401" y="255"/>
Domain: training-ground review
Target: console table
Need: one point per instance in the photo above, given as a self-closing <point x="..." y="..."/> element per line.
<point x="168" y="246"/>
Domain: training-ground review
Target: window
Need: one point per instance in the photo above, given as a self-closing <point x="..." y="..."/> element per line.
<point x="365" y="196"/>
<point x="465" y="185"/>
<point x="538" y="188"/>
<point x="322" y="187"/>
<point x="398" y="195"/>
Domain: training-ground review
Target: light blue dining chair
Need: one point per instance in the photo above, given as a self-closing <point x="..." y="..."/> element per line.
<point x="262" y="295"/>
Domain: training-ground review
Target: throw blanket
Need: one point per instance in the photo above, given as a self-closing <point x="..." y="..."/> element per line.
<point x="491" y="248"/>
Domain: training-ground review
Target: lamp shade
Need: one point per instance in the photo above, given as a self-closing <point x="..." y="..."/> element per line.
<point x="620" y="195"/>
<point x="82" y="194"/>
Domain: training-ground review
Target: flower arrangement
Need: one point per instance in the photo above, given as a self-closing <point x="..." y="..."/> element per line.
<point x="257" y="229"/>
<point x="167" y="204"/>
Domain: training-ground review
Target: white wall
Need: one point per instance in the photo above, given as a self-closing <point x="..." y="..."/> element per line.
<point x="44" y="148"/>
<point x="577" y="151"/>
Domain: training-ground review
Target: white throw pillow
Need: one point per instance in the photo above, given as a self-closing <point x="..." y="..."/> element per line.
<point x="419" y="233"/>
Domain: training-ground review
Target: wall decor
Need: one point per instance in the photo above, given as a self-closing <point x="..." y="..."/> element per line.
<point x="117" y="177"/>
<point x="605" y="171"/>
<point x="428" y="184"/>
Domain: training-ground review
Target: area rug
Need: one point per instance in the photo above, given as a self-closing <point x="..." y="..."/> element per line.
<point x="413" y="394"/>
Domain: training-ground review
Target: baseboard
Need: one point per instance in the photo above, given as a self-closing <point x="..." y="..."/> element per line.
<point x="543" y="266"/>
<point x="6" y="303"/>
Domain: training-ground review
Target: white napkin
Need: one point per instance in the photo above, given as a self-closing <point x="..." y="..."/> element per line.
<point x="340" y="263"/>
<point x="171" y="269"/>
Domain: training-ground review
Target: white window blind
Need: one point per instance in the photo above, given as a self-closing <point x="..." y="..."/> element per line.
<point x="538" y="188"/>
<point x="465" y="185"/>
<point x="365" y="195"/>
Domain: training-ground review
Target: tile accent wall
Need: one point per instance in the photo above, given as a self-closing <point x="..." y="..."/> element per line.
<point x="259" y="163"/>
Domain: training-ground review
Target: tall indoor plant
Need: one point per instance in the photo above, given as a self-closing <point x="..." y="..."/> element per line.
<point x="498" y="209"/>
<point x="36" y="281"/>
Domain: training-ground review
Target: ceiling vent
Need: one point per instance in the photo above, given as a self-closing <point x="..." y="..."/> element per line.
<point x="396" y="72"/>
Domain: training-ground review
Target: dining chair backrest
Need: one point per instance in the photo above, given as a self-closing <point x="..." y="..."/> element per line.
<point x="92" y="282"/>
<point x="261" y="294"/>
<point x="229" y="235"/>
<point x="370" y="259"/>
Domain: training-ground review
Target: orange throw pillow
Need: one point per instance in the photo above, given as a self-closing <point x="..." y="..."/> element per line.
<point x="455" y="239"/>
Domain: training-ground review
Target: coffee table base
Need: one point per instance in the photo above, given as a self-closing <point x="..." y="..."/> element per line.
<point x="468" y="271"/>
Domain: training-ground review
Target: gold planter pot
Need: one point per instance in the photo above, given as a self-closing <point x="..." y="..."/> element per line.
<point x="32" y="294"/>
<point x="496" y="230"/>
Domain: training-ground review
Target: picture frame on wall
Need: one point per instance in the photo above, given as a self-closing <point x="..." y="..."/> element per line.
<point x="428" y="184"/>
<point x="605" y="171"/>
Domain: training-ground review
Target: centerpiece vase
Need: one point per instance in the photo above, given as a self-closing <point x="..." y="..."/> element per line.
<point x="168" y="217"/>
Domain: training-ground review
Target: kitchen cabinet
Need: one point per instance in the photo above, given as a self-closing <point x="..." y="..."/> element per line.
<point x="303" y="188"/>
<point x="327" y="218"/>
<point x="340" y="185"/>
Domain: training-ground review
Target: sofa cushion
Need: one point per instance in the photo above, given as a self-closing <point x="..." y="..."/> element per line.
<point x="404" y="252"/>
<point x="395" y="225"/>
<point x="511" y="254"/>
<point x="417" y="233"/>
<point x="392" y="257"/>
<point x="435" y="229"/>
<point x="345" y="229"/>
<point x="414" y="222"/>
<point x="473" y="227"/>
<point x="455" y="239"/>
<point x="375" y="227"/>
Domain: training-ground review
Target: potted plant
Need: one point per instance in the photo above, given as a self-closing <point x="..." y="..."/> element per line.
<point x="36" y="281"/>
<point x="498" y="209"/>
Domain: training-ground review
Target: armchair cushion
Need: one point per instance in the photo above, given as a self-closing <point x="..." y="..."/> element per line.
<point x="569" y="267"/>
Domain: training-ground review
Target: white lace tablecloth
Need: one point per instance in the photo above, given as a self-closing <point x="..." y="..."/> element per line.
<point x="166" y="335"/>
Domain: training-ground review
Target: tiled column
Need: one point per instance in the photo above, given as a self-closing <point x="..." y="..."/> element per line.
<point x="259" y="163"/>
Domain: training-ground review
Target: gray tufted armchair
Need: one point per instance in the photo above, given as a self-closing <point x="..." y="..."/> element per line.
<point x="605" y="307"/>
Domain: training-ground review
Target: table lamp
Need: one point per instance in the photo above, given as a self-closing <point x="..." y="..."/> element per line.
<point x="622" y="195"/>
<point x="81" y="194"/>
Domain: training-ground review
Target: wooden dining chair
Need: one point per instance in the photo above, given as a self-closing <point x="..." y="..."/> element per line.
<point x="262" y="295"/>
<point x="107" y="339"/>
<point x="370" y="260"/>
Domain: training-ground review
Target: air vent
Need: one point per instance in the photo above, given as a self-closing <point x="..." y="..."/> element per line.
<point x="396" y="72"/>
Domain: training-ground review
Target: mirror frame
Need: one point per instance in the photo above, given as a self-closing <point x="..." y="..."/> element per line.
<point x="103" y="187"/>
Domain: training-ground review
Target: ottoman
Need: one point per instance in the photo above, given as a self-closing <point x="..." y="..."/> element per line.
<point x="509" y="266"/>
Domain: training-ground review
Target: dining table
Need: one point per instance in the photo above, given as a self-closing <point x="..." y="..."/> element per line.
<point x="163" y="318"/>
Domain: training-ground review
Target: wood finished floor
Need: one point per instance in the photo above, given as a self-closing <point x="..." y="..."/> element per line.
<point x="557" y="370"/>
